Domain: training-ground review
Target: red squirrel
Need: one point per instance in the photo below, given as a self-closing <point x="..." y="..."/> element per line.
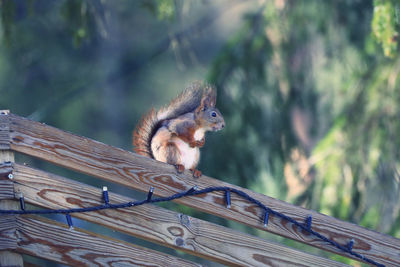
<point x="174" y="133"/>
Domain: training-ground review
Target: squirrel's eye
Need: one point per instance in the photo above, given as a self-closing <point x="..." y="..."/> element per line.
<point x="214" y="114"/>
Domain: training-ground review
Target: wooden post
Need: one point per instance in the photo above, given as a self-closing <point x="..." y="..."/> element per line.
<point x="7" y="257"/>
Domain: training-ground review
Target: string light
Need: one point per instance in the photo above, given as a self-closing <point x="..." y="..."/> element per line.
<point x="350" y="245"/>
<point x="150" y="194"/>
<point x="308" y="221"/>
<point x="69" y="221"/>
<point x="266" y="218"/>
<point x="105" y="195"/>
<point x="228" y="198"/>
<point x="21" y="201"/>
<point x="192" y="190"/>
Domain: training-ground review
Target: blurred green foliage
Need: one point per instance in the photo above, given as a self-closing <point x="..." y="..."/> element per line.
<point x="311" y="102"/>
<point x="385" y="25"/>
<point x="162" y="9"/>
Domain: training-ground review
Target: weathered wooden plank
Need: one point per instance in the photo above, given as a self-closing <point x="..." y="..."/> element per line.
<point x="201" y="238"/>
<point x="6" y="189"/>
<point x="8" y="240"/>
<point x="8" y="257"/>
<point x="53" y="241"/>
<point x="5" y="168"/>
<point x="134" y="171"/>
<point x="4" y="129"/>
<point x="6" y="184"/>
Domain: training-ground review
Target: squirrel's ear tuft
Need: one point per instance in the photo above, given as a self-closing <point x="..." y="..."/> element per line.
<point x="209" y="98"/>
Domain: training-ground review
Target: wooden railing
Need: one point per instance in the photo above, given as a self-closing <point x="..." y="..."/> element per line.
<point x="44" y="238"/>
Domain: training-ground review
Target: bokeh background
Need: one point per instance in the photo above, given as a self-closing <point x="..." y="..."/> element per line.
<point x="309" y="90"/>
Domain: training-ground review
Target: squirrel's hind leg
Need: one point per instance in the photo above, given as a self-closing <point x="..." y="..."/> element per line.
<point x="173" y="157"/>
<point x="196" y="173"/>
<point x="168" y="153"/>
<point x="179" y="168"/>
<point x="172" y="154"/>
<point x="165" y="150"/>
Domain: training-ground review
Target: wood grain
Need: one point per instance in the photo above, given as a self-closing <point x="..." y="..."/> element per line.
<point x="197" y="237"/>
<point x="7" y="257"/>
<point x="8" y="226"/>
<point x="5" y="167"/>
<point x="6" y="189"/>
<point x="6" y="184"/>
<point x="4" y="129"/>
<point x="137" y="172"/>
<point x="53" y="241"/>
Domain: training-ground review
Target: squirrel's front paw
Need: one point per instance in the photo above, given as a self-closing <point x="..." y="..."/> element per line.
<point x="179" y="168"/>
<point x="193" y="144"/>
<point x="201" y="142"/>
<point x="197" y="143"/>
<point x="196" y="173"/>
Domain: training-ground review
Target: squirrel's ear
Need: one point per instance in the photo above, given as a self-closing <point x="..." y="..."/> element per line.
<point x="209" y="98"/>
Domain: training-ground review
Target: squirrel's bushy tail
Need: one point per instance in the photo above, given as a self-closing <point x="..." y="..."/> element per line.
<point x="144" y="132"/>
<point x="186" y="102"/>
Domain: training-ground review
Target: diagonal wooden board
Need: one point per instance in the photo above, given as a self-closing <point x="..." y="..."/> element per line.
<point x="7" y="257"/>
<point x="137" y="172"/>
<point x="162" y="226"/>
<point x="53" y="241"/>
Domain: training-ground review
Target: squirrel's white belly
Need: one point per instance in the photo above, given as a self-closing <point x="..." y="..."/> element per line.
<point x="189" y="156"/>
<point x="199" y="134"/>
<point x="183" y="154"/>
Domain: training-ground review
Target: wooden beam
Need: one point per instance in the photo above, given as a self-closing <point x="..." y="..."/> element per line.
<point x="8" y="225"/>
<point x="4" y="130"/>
<point x="137" y="172"/>
<point x="6" y="184"/>
<point x="7" y="257"/>
<point x="168" y="228"/>
<point x="54" y="241"/>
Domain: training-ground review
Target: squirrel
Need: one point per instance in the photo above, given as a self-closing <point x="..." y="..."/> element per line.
<point x="174" y="133"/>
